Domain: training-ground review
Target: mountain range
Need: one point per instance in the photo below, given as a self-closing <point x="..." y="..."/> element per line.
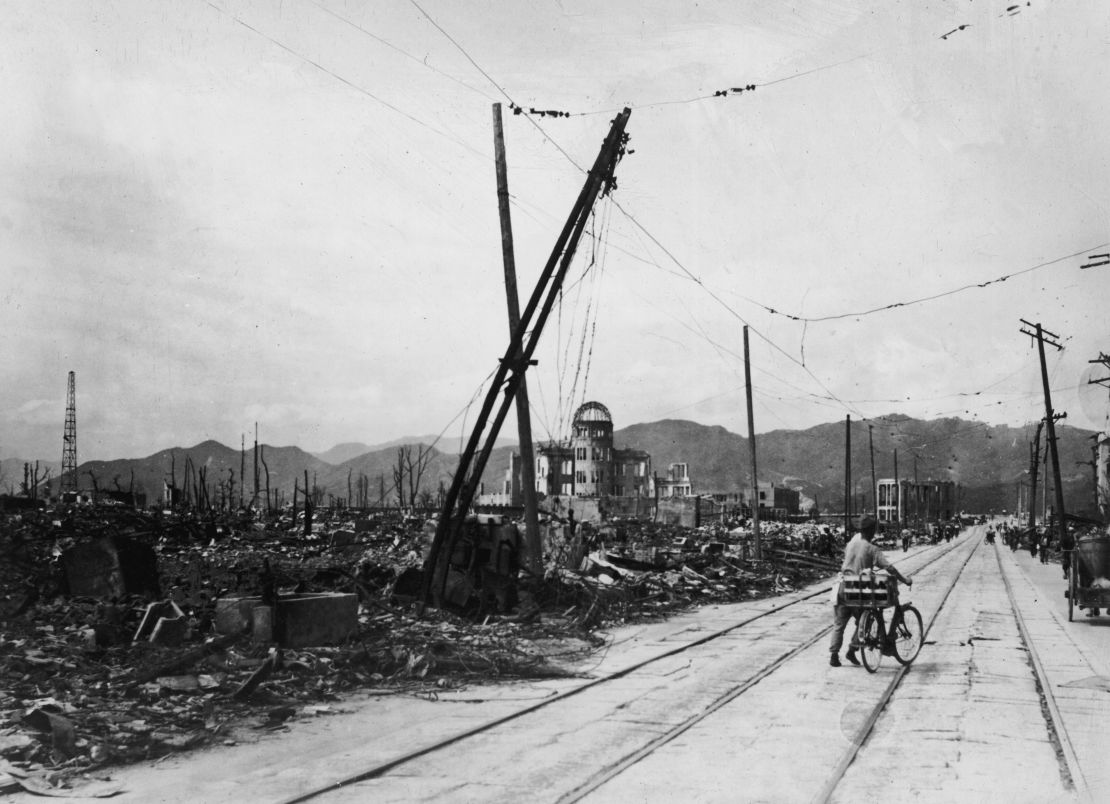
<point x="986" y="461"/>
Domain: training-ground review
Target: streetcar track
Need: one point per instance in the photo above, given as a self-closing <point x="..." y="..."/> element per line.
<point x="387" y="765"/>
<point x="868" y="726"/>
<point x="1054" y="722"/>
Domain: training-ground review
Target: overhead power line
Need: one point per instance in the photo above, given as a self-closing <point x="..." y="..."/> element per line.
<point x="923" y="299"/>
<point x="347" y="82"/>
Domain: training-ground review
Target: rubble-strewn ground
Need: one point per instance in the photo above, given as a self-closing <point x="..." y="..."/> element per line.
<point x="77" y="692"/>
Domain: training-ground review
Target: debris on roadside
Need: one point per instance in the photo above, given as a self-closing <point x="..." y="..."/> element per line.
<point x="127" y="635"/>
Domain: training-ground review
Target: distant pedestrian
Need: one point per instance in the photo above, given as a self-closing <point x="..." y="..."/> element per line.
<point x="1043" y="549"/>
<point x="1067" y="545"/>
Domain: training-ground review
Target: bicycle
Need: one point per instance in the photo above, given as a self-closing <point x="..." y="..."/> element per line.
<point x="874" y="591"/>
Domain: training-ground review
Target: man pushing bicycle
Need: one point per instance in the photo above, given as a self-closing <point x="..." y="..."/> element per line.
<point x="859" y="555"/>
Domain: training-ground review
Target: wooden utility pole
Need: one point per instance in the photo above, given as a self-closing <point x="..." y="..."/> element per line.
<point x="897" y="493"/>
<point x="506" y="378"/>
<point x="916" y="496"/>
<point x="1044" y="489"/>
<point x="874" y="482"/>
<point x="1050" y="422"/>
<point x="254" y="499"/>
<point x="1034" y="466"/>
<point x="757" y="540"/>
<point x="847" y="477"/>
<point x="533" y="546"/>
<point x="242" y="466"/>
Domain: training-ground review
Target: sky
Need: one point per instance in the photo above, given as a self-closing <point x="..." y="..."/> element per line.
<point x="234" y="212"/>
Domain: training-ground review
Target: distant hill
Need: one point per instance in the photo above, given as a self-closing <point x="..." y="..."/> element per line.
<point x="987" y="462"/>
<point x="342" y="453"/>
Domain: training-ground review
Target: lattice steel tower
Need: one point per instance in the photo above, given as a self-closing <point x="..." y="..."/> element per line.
<point x="69" y="441"/>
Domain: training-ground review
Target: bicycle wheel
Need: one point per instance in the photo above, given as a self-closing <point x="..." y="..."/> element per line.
<point x="908" y="635"/>
<point x="869" y="637"/>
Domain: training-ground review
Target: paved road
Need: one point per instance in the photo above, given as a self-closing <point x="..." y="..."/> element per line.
<point x="754" y="714"/>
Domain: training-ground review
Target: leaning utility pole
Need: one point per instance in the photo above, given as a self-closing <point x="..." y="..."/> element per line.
<point x="847" y="477"/>
<point x="533" y="547"/>
<point x="1034" y="466"/>
<point x="506" y="379"/>
<point x="756" y="539"/>
<point x="874" y="482"/>
<point x="69" y="443"/>
<point x="1042" y="335"/>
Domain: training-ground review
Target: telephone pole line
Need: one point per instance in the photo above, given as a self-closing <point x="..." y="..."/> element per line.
<point x="533" y="552"/>
<point x="874" y="482"/>
<point x="1042" y="335"/>
<point x="1034" y="465"/>
<point x="757" y="545"/>
<point x="847" y="477"/>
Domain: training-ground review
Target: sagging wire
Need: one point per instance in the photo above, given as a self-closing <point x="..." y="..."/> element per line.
<point x="923" y="299"/>
<point x="604" y="249"/>
<point x="568" y="400"/>
<point x="732" y="311"/>
<point x="402" y="51"/>
<point x="807" y="319"/>
<point x="362" y="90"/>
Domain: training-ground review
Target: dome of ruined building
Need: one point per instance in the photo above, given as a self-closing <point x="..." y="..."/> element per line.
<point x="592" y="412"/>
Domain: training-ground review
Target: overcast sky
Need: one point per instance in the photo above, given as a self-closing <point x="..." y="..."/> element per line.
<point x="233" y="212"/>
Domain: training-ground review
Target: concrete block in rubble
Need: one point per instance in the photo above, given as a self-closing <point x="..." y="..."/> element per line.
<point x="364" y="525"/>
<point x="262" y="624"/>
<point x="342" y="538"/>
<point x="297" y="621"/>
<point x="170" y="631"/>
<point x="315" y="619"/>
<point x="154" y="619"/>
<point x="233" y="614"/>
<point x="111" y="567"/>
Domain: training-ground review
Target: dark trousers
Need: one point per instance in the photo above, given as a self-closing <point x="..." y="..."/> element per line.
<point x="841" y="615"/>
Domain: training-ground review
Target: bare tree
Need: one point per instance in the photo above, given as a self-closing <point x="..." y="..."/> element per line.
<point x="308" y="506"/>
<point x="32" y="480"/>
<point x="262" y="455"/>
<point x="399" y="476"/>
<point x="415" y="468"/>
<point x="95" y="483"/>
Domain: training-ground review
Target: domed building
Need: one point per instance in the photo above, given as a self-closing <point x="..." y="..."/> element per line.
<point x="590" y="466"/>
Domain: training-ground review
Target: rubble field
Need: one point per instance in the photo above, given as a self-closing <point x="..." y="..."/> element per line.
<point x="111" y="651"/>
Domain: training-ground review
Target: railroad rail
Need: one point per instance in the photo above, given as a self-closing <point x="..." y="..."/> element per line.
<point x="934" y="554"/>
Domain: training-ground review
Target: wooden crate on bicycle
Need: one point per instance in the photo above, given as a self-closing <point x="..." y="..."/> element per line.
<point x="869" y="588"/>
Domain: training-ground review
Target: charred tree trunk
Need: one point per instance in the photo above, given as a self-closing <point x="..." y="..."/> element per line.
<point x="262" y="456"/>
<point x="308" y="507"/>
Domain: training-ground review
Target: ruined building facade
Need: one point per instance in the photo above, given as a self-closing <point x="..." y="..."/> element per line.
<point x="904" y="500"/>
<point x="590" y="466"/>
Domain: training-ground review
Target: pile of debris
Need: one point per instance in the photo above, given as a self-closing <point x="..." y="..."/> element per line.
<point x="632" y="570"/>
<point x="128" y="635"/>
